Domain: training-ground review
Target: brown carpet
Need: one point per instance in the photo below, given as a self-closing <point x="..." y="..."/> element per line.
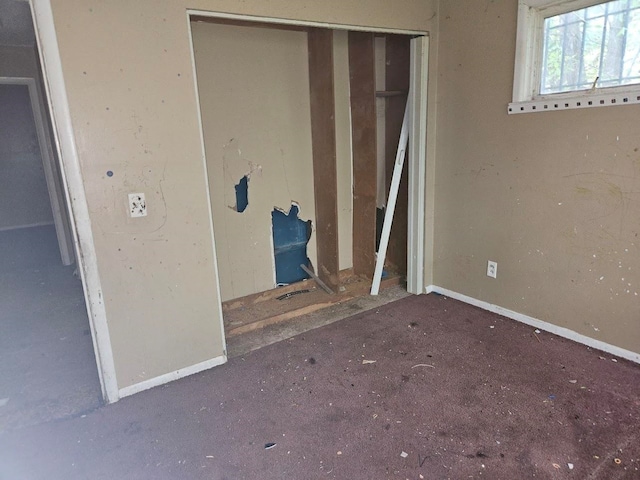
<point x="462" y="392"/>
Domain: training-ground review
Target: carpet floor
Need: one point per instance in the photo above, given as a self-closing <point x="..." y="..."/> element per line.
<point x="422" y="388"/>
<point x="47" y="365"/>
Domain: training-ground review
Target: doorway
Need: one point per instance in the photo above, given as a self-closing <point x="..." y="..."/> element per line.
<point x="260" y="140"/>
<point x="46" y="350"/>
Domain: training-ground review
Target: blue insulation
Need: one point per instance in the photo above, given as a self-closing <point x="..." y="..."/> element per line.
<point x="290" y="238"/>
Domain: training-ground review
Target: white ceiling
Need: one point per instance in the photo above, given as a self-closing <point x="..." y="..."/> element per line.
<point x="16" y="25"/>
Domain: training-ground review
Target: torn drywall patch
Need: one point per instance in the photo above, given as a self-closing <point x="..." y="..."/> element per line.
<point x="242" y="194"/>
<point x="290" y="238"/>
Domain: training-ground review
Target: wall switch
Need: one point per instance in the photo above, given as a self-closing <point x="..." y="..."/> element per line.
<point x="137" y="205"/>
<point x="492" y="269"/>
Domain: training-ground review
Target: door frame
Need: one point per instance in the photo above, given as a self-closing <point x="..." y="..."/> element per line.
<point x="73" y="186"/>
<point x="56" y="195"/>
<point x="417" y="158"/>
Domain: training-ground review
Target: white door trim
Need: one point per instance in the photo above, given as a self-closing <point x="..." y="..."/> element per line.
<point x="74" y="189"/>
<point x="301" y="23"/>
<point x="48" y="163"/>
<point x="207" y="188"/>
<point x="418" y="83"/>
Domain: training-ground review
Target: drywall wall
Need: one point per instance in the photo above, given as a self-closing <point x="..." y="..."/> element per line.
<point x="130" y="86"/>
<point x="553" y="197"/>
<point x="254" y="97"/>
<point x="344" y="159"/>
<point x="24" y="199"/>
<point x="17" y="62"/>
<point x="254" y="100"/>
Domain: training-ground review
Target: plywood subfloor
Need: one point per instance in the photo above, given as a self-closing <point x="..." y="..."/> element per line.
<point x="247" y="314"/>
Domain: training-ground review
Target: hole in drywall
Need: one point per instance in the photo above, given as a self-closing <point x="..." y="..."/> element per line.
<point x="242" y="194"/>
<point x="290" y="238"/>
<point x="379" y="223"/>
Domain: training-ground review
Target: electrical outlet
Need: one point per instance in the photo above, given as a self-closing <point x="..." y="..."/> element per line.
<point x="137" y="205"/>
<point x="492" y="269"/>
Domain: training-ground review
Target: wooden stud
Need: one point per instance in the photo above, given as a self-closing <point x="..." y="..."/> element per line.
<point x="323" y="140"/>
<point x="363" y="127"/>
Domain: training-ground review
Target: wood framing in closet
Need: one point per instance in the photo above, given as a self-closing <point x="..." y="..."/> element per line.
<point x="363" y="93"/>
<point x="323" y="138"/>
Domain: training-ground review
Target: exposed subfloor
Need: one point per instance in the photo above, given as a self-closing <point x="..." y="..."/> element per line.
<point x="262" y="319"/>
<point x="46" y="353"/>
<point x="424" y="387"/>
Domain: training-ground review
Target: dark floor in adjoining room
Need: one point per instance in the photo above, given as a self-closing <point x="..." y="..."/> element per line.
<point x="47" y="364"/>
<point x="462" y="392"/>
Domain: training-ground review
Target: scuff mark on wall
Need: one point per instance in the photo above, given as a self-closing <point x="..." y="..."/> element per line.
<point x="290" y="238"/>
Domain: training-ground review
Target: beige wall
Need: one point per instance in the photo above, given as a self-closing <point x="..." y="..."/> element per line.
<point x="254" y="97"/>
<point x="18" y="62"/>
<point x="130" y="85"/>
<point x="24" y="199"/>
<point x="344" y="158"/>
<point x="552" y="197"/>
<point x="17" y="137"/>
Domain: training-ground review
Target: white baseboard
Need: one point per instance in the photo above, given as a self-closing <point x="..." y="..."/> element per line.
<point x="534" y="322"/>
<point x="170" y="377"/>
<point x="30" y="225"/>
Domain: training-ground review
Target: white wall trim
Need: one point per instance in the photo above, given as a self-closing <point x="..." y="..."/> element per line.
<point x="417" y="160"/>
<point x="74" y="189"/>
<point x="170" y="377"/>
<point x="542" y="325"/>
<point x="303" y="23"/>
<point x="30" y="225"/>
<point x="214" y="257"/>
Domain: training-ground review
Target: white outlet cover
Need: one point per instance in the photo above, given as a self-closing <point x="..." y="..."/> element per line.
<point x="492" y="269"/>
<point x="137" y="205"/>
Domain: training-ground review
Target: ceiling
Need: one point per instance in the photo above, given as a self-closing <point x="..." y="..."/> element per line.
<point x="16" y="25"/>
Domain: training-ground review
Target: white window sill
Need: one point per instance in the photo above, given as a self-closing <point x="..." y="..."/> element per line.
<point x="571" y="101"/>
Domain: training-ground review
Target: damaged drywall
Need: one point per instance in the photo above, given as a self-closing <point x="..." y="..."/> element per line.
<point x="290" y="238"/>
<point x="254" y="95"/>
<point x="236" y="165"/>
<point x="242" y="194"/>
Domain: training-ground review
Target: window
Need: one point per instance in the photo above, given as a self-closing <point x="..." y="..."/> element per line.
<point x="576" y="54"/>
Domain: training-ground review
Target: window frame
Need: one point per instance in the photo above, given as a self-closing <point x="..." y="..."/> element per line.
<point x="528" y="64"/>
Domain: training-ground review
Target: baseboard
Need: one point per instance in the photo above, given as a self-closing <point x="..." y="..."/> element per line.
<point x="170" y="377"/>
<point x="30" y="225"/>
<point x="534" y="322"/>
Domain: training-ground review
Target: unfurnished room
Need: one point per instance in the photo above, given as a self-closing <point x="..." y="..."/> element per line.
<point x="320" y="239"/>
